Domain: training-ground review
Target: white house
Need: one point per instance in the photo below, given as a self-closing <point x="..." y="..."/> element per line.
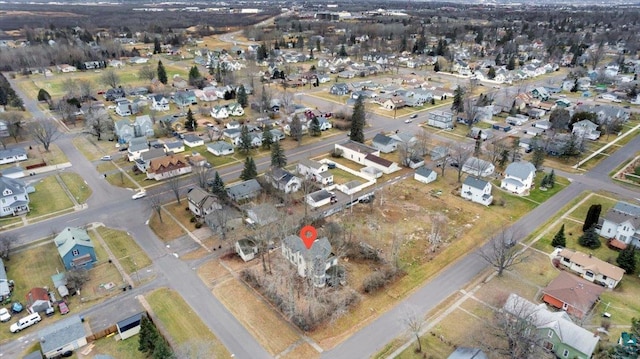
<point x="283" y="180"/>
<point x="591" y="268"/>
<point x="315" y="171"/>
<point x="68" y="334"/>
<point x="318" y="198"/>
<point x="159" y="103"/>
<point x="246" y="249"/>
<point x="478" y="167"/>
<point x="193" y="140"/>
<point x="384" y="143"/>
<point x="13" y="196"/>
<point x="356" y="152"/>
<point x="167" y="167"/>
<point x="381" y="164"/>
<point x="425" y="175"/>
<point x="137" y="146"/>
<point x="202" y="202"/>
<point x="586" y="129"/>
<point x="622" y="222"/>
<point x="518" y="177"/>
<point x="313" y="262"/>
<point x="235" y="109"/>
<point x="476" y="190"/>
<point x="12" y="155"/>
<point x="219" y="112"/>
<point x="256" y="140"/>
<point x="174" y="146"/>
<point x="220" y="148"/>
<point x="440" y="119"/>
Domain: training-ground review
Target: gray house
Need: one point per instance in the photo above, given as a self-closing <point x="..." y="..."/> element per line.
<point x="65" y="335"/>
<point x="384" y="143"/>
<point x="425" y="175"/>
<point x="244" y="190"/>
<point x="440" y="119"/>
<point x="313" y="262"/>
<point x="339" y="89"/>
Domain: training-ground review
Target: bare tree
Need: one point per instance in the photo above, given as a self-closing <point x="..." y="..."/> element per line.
<point x="6" y="241"/>
<point x="85" y="89"/>
<point x="13" y="120"/>
<point x="494" y="151"/>
<point x="459" y="156"/>
<point x="110" y="78"/>
<point x="423" y="140"/>
<point x="438" y="229"/>
<point x="44" y="132"/>
<point x="146" y="72"/>
<point x="414" y="323"/>
<point x="97" y="123"/>
<point x="501" y="251"/>
<point x="70" y="87"/>
<point x="202" y="175"/>
<point x="156" y="205"/>
<point x="405" y="153"/>
<point x="76" y="278"/>
<point x="470" y="108"/>
<point x="67" y="111"/>
<point x="174" y="186"/>
<point x="596" y="55"/>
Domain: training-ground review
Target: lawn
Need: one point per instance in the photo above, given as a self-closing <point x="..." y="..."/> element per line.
<point x="342" y="177"/>
<point x="167" y="229"/>
<point x="125" y="249"/>
<point x="121" y="180"/>
<point x="91" y="148"/>
<point x="117" y="348"/>
<point x="37" y="154"/>
<point x="48" y="198"/>
<point x="180" y="213"/>
<point x="77" y="186"/>
<point x="183" y="325"/>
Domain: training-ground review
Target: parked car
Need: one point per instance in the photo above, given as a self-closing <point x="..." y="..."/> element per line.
<point x="17" y="307"/>
<point x="50" y="311"/>
<point x="408" y="120"/>
<point x="62" y="306"/>
<point x="25" y="322"/>
<point x="105" y="158"/>
<point x="139" y="195"/>
<point x="331" y="165"/>
<point x="5" y="316"/>
<point x="415" y="115"/>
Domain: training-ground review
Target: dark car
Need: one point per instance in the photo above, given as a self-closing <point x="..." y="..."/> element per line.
<point x="454" y="164"/>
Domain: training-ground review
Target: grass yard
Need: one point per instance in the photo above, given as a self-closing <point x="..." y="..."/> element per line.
<point x="167" y="229"/>
<point x="180" y="213"/>
<point x="121" y="180"/>
<point x="183" y="325"/>
<point x="91" y="148"/>
<point x="77" y="186"/>
<point x="117" y="348"/>
<point x="48" y="198"/>
<point x="129" y="254"/>
<point x="106" y="166"/>
<point x="269" y="329"/>
<point x="342" y="176"/>
<point x="37" y="154"/>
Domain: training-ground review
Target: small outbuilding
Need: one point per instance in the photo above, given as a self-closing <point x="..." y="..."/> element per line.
<point x="130" y="326"/>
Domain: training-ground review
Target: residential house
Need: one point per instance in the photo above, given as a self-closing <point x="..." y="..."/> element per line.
<point x="262" y="214"/>
<point x="124" y="108"/>
<point x="180" y="83"/>
<point x="129" y="326"/>
<point x="461" y="67"/>
<point x="382" y="164"/>
<point x="246" y="249"/>
<point x="559" y="334"/>
<point x="219" y="112"/>
<point x="5" y="290"/>
<point x="440" y="119"/>
<point x="467" y="353"/>
<point x="231" y="133"/>
<point x="202" y="202"/>
<point x="586" y="129"/>
<point x="66" y="68"/>
<point x="167" y="167"/>
<point x="356" y="152"/>
<point x="542" y="124"/>
<point x="339" y="89"/>
<point x="220" y="148"/>
<point x="235" y="109"/>
<point x="438" y="153"/>
<point x="37" y="300"/>
<point x="244" y="190"/>
<point x="13" y="155"/>
<point x="159" y="103"/>
<point x="476" y="190"/>
<point x="622" y="222"/>
<point x="384" y="143"/>
<point x="65" y="335"/>
<point x="14" y="197"/>
<point x="425" y="175"/>
<point x="313" y="262"/>
<point x="137" y="146"/>
<point x="192" y="140"/>
<point x="174" y="147"/>
<point x="540" y="93"/>
<point x="319" y="198"/>
<point x="572" y="294"/>
<point x="283" y="180"/>
<point x="518" y="177"/>
<point x="393" y="103"/>
<point x="143" y="126"/>
<point x="478" y="167"/>
<point x="256" y="140"/>
<point x="75" y="248"/>
<point x="315" y="171"/>
<point x="517" y="120"/>
<point x="142" y="163"/>
<point x="591" y="268"/>
<point x="185" y="98"/>
<point x="124" y="130"/>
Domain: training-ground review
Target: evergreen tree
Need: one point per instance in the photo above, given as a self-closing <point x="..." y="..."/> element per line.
<point x="571" y="147"/>
<point x="314" y="129"/>
<point x="590" y="238"/>
<point x="511" y="65"/>
<point x="217" y="187"/>
<point x="343" y="51"/>
<point x="358" y="121"/>
<point x="162" y="349"/>
<point x="147" y="336"/>
<point x="593" y="215"/>
<point x="245" y="140"/>
<point x="552" y="178"/>
<point x="491" y="74"/>
<point x="559" y="239"/>
<point x="194" y="76"/>
<point x="249" y="171"/>
<point x="458" y="97"/>
<point x="627" y="259"/>
<point x="162" y="73"/>
<point x="156" y="46"/>
<point x="574" y="88"/>
<point x="43" y="95"/>
<point x="295" y="128"/>
<point x="498" y="60"/>
<point x="267" y="138"/>
<point x="190" y="123"/>
<point x="278" y="157"/>
<point x="241" y="97"/>
<point x="436" y="67"/>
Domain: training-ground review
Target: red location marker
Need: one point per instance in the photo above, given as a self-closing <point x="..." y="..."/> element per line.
<point x="308" y="234"/>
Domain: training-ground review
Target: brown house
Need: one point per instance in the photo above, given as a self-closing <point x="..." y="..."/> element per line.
<point x="167" y="167"/>
<point x="572" y="294"/>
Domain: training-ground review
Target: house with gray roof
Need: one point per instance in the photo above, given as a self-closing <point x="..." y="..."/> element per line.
<point x="185" y="98"/>
<point x="622" y="222"/>
<point x="384" y="143"/>
<point x="14" y="196"/>
<point x="476" y="190"/>
<point x="75" y="248"/>
<point x="558" y="333"/>
<point x="314" y="171"/>
<point x="339" y="89"/>
<point x="4" y="281"/>
<point x="313" y="262"/>
<point x="283" y="180"/>
<point x="65" y="335"/>
<point x="192" y="140"/>
<point x="174" y="146"/>
<point x="202" y="202"/>
<point x="124" y="130"/>
<point x="318" y="198"/>
<point x="425" y="175"/>
<point x="12" y="155"/>
<point x="518" y="177"/>
<point x="478" y="167"/>
<point x="244" y="190"/>
<point x="586" y="129"/>
<point x="262" y="214"/>
<point x="440" y="119"/>
<point x="143" y="162"/>
<point x="143" y="126"/>
<point x="137" y="146"/>
<point x="220" y="148"/>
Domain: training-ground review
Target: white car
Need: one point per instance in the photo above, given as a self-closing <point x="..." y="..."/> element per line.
<point x="4" y="315"/>
<point x="139" y="195"/>
<point x="408" y="120"/>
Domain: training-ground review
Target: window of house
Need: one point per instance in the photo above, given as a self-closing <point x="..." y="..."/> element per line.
<point x="75" y="252"/>
<point x="609" y="230"/>
<point x="550" y="333"/>
<point x="588" y="273"/>
<point x="565" y="353"/>
<point x="565" y="306"/>
<point x="604" y="277"/>
<point x="547" y="345"/>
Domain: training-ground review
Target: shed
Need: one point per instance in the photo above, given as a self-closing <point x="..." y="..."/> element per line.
<point x="425" y="175"/>
<point x="65" y="335"/>
<point x="130" y="326"/>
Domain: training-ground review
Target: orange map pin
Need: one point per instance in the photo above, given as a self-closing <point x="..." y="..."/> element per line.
<point x="308" y="234"/>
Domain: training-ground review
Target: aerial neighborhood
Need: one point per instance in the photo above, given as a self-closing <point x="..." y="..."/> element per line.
<point x="449" y="180"/>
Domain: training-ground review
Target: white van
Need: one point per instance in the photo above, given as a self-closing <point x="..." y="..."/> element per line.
<point x="25" y="322"/>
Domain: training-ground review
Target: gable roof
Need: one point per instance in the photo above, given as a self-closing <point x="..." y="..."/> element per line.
<point x="358" y="147"/>
<point x="192" y="138"/>
<point x="520" y="170"/>
<point x="71" y="237"/>
<point x="589" y="262"/>
<point x="574" y="291"/>
<point x="311" y="163"/>
<point x="61" y="333"/>
<point x="378" y="160"/>
<point x="321" y="248"/>
<point x="540" y="317"/>
<point x="382" y="139"/>
<point x="243" y="189"/>
<point x="424" y="171"/>
<point x="475" y="182"/>
<point x="167" y="163"/>
<point x="622" y="212"/>
<point x="220" y="146"/>
<point x="12" y="185"/>
<point x="10" y="152"/>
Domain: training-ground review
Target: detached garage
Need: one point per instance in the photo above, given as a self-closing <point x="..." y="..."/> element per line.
<point x="63" y="336"/>
<point x="130" y="326"/>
